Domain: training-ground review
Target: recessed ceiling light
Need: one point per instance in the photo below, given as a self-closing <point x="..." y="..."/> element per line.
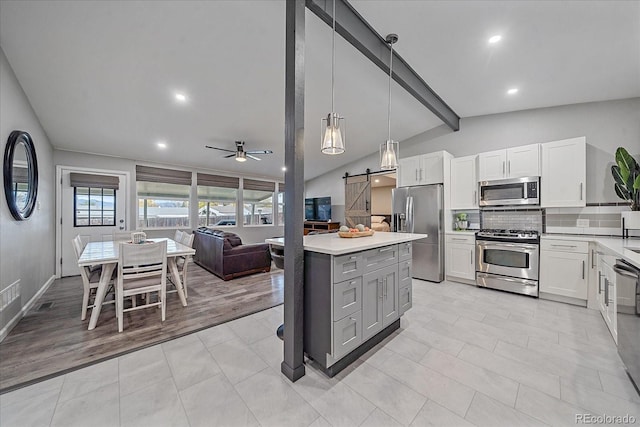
<point x="162" y="145"/>
<point x="376" y="180"/>
<point x="180" y="97"/>
<point x="512" y="91"/>
<point x="284" y="169"/>
<point x="495" y="39"/>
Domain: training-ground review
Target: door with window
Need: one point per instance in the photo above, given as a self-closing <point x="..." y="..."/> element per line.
<point x="92" y="205"/>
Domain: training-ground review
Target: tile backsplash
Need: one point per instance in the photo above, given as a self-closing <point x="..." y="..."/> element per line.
<point x="512" y="219"/>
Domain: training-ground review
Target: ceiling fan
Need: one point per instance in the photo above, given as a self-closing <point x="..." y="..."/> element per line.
<point x="240" y="154"/>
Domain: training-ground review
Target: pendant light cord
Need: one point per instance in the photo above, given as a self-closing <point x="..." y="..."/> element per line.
<point x="333" y="54"/>
<point x="390" y="71"/>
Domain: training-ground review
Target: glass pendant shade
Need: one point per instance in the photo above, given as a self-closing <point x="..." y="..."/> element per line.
<point x="241" y="156"/>
<point x="389" y="155"/>
<point x="332" y="134"/>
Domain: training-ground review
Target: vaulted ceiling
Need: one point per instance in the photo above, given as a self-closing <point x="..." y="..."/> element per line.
<point x="102" y="76"/>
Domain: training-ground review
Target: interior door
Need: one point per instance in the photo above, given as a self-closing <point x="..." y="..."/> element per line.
<point x="91" y="212"/>
<point x="357" y="201"/>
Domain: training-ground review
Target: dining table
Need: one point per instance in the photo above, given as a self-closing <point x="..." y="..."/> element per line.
<point x="105" y="253"/>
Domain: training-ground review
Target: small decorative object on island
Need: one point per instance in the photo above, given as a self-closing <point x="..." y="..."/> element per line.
<point x="138" y="237"/>
<point x="359" y="231"/>
<point x="461" y="221"/>
<point x="626" y="174"/>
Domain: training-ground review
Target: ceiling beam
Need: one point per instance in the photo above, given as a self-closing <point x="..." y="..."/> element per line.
<point x="357" y="31"/>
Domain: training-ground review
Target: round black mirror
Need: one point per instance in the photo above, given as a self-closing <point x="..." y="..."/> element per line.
<point x="20" y="170"/>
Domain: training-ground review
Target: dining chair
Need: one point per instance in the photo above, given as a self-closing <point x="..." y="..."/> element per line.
<point x="142" y="269"/>
<point x="177" y="236"/>
<point x="119" y="236"/>
<point x="90" y="276"/>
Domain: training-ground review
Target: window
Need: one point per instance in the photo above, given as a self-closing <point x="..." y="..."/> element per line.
<point x="280" y="203"/>
<point x="258" y="202"/>
<point x="94" y="199"/>
<point x="94" y="207"/>
<point x="217" y="200"/>
<point x="163" y="197"/>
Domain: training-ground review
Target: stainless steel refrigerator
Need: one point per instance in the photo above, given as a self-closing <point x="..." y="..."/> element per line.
<point x="420" y="210"/>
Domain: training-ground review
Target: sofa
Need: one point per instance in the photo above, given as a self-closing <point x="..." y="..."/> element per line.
<point x="223" y="254"/>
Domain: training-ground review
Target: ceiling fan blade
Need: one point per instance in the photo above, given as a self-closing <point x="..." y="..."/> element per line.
<point x="253" y="157"/>
<point x="260" y="152"/>
<point x="229" y="155"/>
<point x="221" y="149"/>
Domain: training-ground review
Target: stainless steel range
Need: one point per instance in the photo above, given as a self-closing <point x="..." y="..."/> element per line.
<point x="508" y="260"/>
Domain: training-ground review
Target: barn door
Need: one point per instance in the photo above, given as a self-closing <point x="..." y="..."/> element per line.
<point x="357" y="198"/>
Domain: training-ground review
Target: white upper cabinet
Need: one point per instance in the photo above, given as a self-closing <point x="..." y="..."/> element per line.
<point x="510" y="163"/>
<point x="464" y="183"/>
<point x="421" y="170"/>
<point x="564" y="173"/>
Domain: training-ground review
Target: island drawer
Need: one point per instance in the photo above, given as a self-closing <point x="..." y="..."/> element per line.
<point x="347" y="334"/>
<point x="405" y="298"/>
<point x="380" y="257"/>
<point x="404" y="274"/>
<point x="346" y="267"/>
<point x="347" y="298"/>
<point x="404" y="251"/>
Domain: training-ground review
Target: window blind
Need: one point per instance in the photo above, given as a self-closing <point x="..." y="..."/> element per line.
<point x="166" y="176"/>
<point x="94" y="181"/>
<point x="252" y="184"/>
<point x="218" y="181"/>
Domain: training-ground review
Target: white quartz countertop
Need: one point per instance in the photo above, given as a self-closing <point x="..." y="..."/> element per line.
<point x="616" y="245"/>
<point x="332" y="244"/>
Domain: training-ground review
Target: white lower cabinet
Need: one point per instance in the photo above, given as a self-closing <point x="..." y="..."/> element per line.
<point x="564" y="268"/>
<point x="460" y="257"/>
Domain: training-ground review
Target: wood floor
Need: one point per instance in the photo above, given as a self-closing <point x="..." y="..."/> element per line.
<point x="52" y="340"/>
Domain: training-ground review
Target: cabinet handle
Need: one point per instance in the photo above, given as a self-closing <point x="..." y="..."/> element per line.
<point x="509" y="167"/>
<point x="503" y="168"/>
<point x="353" y="319"/>
<point x="390" y="248"/>
<point x="353" y="257"/>
<point x="352" y="282"/>
<point x="475" y="197"/>
<point x="380" y="288"/>
<point x="599" y="282"/>
<point x="564" y="246"/>
<point x="471" y="257"/>
<point x="606" y="292"/>
<point x="593" y="258"/>
<point x="582" y="269"/>
<point x="416" y="175"/>
<point x="580" y="191"/>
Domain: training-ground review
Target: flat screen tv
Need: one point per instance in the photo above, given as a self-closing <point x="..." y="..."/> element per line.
<point x="317" y="209"/>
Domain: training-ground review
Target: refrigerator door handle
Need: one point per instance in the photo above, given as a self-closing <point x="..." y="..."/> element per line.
<point x="409" y="213"/>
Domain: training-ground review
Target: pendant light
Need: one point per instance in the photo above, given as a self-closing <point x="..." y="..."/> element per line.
<point x="389" y="149"/>
<point x="333" y="125"/>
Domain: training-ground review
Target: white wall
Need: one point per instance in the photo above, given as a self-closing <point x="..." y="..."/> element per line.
<point x="381" y="200"/>
<point x="69" y="158"/>
<point x="606" y="125"/>
<point x="27" y="248"/>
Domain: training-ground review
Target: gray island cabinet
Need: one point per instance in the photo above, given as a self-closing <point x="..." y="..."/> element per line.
<point x="355" y="291"/>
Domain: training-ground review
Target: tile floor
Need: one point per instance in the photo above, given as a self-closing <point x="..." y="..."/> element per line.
<point x="463" y="356"/>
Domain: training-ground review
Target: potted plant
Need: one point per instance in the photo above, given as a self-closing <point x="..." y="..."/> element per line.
<point x="461" y="223"/>
<point x="626" y="174"/>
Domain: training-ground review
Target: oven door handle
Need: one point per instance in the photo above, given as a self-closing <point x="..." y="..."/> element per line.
<point x="484" y="244"/>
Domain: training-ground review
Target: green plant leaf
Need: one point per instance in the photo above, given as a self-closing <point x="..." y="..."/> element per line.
<point x="626" y="163"/>
<point x="615" y="171"/>
<point x="636" y="184"/>
<point x="622" y="192"/>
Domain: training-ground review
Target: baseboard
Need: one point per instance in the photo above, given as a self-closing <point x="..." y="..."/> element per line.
<point x="561" y="298"/>
<point x="19" y="315"/>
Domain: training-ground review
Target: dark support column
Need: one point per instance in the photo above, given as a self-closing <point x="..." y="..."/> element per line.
<point x="293" y="364"/>
<point x="357" y="31"/>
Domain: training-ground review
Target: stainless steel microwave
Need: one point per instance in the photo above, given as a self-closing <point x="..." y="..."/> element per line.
<point x="510" y="192"/>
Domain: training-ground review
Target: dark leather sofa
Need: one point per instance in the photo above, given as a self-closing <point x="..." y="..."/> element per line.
<point x="223" y="254"/>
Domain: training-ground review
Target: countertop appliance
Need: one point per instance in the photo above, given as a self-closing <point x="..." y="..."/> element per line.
<point x="508" y="260"/>
<point x="420" y="209"/>
<point x="510" y="192"/>
<point x="628" y="318"/>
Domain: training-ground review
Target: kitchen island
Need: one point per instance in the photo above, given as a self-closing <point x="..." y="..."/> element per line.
<point x="355" y="290"/>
